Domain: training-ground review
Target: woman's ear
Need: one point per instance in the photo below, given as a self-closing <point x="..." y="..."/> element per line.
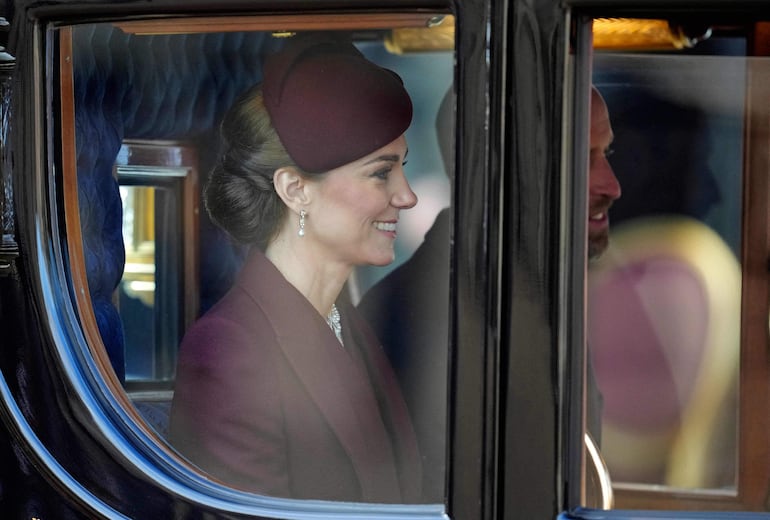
<point x="291" y="186"/>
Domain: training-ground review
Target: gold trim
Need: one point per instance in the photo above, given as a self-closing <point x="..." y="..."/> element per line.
<point x="640" y="34"/>
<point x="437" y="35"/>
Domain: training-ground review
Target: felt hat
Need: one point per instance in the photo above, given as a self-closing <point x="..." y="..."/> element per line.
<point x="329" y="104"/>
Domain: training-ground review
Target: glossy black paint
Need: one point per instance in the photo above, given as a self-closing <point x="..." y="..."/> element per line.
<point x="65" y="450"/>
<point x="529" y="367"/>
<point x="60" y="435"/>
<point x="473" y="342"/>
<point x="506" y="412"/>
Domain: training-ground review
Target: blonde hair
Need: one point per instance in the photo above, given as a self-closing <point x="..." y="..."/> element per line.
<point x="239" y="195"/>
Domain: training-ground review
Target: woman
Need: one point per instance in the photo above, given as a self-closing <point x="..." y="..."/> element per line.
<point x="278" y="390"/>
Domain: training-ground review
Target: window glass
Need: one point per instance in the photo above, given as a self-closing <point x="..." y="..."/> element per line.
<point x="209" y="329"/>
<point x="156" y="295"/>
<point x="664" y="322"/>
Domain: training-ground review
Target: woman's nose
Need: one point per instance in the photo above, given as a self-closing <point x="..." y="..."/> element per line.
<point x="404" y="197"/>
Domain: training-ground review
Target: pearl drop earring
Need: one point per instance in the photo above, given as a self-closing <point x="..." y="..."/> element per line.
<point x="302" y="214"/>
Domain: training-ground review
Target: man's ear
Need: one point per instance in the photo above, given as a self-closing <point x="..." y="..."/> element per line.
<point x="291" y="186"/>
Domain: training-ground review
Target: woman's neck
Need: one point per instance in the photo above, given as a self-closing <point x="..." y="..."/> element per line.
<point x="318" y="279"/>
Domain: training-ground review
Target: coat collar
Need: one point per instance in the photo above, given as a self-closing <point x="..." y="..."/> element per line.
<point x="332" y="377"/>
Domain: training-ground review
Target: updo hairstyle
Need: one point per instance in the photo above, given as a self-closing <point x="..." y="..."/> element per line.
<point x="329" y="105"/>
<point x="239" y="195"/>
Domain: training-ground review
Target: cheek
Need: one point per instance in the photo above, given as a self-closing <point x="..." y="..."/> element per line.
<point x="599" y="174"/>
<point x="357" y="203"/>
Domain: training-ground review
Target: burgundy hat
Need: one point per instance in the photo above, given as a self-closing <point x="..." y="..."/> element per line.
<point x="329" y="104"/>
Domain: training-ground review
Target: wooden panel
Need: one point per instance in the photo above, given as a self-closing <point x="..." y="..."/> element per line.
<point x="77" y="263"/>
<point x="156" y="153"/>
<point x="277" y="23"/>
<point x="72" y="215"/>
<point x="175" y="154"/>
<point x="754" y="434"/>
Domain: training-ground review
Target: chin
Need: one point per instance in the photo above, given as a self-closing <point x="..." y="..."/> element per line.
<point x="383" y="260"/>
<point x="382" y="263"/>
<point x="597" y="247"/>
<point x="597" y="244"/>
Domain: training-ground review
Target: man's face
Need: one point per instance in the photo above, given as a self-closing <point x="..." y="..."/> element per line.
<point x="603" y="186"/>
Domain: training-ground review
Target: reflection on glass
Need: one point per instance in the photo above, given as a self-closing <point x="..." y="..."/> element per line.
<point x="137" y="287"/>
<point x="157" y="295"/>
<point x="664" y="322"/>
<point x="139" y="82"/>
<point x="151" y="318"/>
<point x="664" y="300"/>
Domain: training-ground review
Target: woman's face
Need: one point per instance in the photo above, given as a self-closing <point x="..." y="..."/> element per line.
<point x="354" y="212"/>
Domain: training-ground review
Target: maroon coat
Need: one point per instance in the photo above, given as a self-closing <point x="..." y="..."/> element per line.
<point x="267" y="400"/>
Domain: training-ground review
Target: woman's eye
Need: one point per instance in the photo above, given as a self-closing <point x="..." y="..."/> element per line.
<point x="382" y="174"/>
<point x="404" y="163"/>
<point x="609" y="151"/>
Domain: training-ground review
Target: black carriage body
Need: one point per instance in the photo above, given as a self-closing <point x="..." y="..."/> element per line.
<point x="67" y="451"/>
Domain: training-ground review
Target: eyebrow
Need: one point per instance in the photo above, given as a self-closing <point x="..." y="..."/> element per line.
<point x="387" y="158"/>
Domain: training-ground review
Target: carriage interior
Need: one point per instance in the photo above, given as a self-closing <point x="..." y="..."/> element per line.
<point x="146" y="101"/>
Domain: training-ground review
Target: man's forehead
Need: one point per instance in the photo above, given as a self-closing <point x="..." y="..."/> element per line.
<point x="598" y="106"/>
<point x="600" y="118"/>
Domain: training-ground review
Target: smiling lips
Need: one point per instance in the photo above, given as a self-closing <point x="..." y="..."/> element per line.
<point x="597" y="211"/>
<point x="598" y="221"/>
<point x="389" y="227"/>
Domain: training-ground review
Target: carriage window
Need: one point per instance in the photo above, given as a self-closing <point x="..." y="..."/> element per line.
<point x="157" y="295"/>
<point x="201" y="153"/>
<point x="675" y="316"/>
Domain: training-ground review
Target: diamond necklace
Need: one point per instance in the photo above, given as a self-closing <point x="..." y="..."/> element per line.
<point x="333" y="320"/>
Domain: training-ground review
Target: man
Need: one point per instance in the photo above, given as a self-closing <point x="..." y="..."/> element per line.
<point x="603" y="190"/>
<point x="409" y="308"/>
<point x="603" y="186"/>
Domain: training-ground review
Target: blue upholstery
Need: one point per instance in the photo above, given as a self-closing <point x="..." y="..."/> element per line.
<point x="148" y="87"/>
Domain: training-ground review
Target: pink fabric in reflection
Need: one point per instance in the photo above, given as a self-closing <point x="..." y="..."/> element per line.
<point x="648" y="324"/>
